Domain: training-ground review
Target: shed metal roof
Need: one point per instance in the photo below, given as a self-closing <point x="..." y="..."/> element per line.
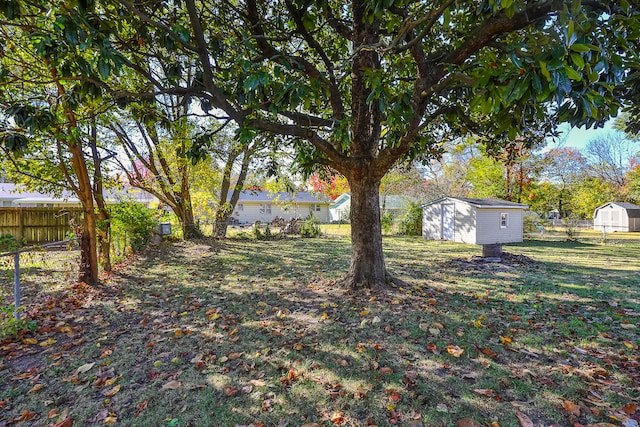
<point x="483" y="203"/>
<point x="633" y="211"/>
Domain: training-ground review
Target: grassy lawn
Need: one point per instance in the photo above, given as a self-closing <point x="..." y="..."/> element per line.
<point x="241" y="332"/>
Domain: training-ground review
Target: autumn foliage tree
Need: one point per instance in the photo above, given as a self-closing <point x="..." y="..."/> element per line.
<point x="331" y="186"/>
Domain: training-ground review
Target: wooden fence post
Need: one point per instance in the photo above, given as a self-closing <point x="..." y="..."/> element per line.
<point x="20" y="224"/>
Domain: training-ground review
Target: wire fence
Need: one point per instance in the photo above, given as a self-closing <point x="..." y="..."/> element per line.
<point x="28" y="271"/>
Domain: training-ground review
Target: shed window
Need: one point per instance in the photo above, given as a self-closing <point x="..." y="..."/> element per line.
<point x="504" y="220"/>
<point x="265" y="208"/>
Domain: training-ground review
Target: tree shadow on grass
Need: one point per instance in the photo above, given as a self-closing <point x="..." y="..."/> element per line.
<point x="259" y="332"/>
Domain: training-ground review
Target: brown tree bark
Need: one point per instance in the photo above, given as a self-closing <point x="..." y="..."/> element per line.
<point x="88" y="243"/>
<point x="367" y="268"/>
<point x="88" y="272"/>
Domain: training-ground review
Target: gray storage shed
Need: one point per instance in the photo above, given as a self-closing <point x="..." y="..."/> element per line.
<point x="617" y="216"/>
<point x="476" y="221"/>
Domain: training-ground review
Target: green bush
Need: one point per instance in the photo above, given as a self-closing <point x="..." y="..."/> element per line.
<point x="131" y="223"/>
<point x="9" y="243"/>
<point x="10" y="326"/>
<point x="410" y="224"/>
<point x="386" y="222"/>
<point x="311" y="227"/>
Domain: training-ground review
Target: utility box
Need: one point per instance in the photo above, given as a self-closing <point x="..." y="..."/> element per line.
<point x="165" y="228"/>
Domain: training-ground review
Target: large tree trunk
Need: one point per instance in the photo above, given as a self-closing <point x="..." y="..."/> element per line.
<point x="190" y="230"/>
<point x="88" y="246"/>
<point x="367" y="268"/>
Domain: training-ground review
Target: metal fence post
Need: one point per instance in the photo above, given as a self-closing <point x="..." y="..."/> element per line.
<point x="16" y="285"/>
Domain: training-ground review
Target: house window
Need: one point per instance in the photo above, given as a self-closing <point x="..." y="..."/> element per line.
<point x="504" y="220"/>
<point x="314" y="208"/>
<point x="240" y="207"/>
<point x="265" y="208"/>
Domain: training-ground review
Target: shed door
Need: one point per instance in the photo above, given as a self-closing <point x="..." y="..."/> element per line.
<point x="447" y="222"/>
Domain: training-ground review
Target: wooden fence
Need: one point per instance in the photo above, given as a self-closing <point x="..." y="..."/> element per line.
<point x="38" y="225"/>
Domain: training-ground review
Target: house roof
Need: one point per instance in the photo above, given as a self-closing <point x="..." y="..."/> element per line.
<point x="18" y="195"/>
<point x="341" y="199"/>
<point x="483" y="203"/>
<point x="391" y="201"/>
<point x="282" y="197"/>
<point x="633" y="211"/>
<point x="10" y="191"/>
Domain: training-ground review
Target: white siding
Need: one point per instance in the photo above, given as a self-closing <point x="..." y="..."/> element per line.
<point x="251" y="212"/>
<point x="599" y="220"/>
<point x="610" y="218"/>
<point x="431" y="215"/>
<point x="465" y="223"/>
<point x="488" y="230"/>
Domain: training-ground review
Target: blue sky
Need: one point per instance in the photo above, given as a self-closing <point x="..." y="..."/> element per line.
<point x="578" y="137"/>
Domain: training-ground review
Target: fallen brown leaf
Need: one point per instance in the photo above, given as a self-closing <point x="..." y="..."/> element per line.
<point x="172" y="385"/>
<point x="35" y="388"/>
<point x="571" y="408"/>
<point x="454" y="350"/>
<point x="337" y="417"/>
<point x="67" y="422"/>
<point x="525" y="421"/>
<point x="112" y="392"/>
<point x="140" y="407"/>
<point x="630" y="408"/>
<point x="230" y="391"/>
<point x="467" y="422"/>
<point x="100" y="416"/>
<point x="25" y="416"/>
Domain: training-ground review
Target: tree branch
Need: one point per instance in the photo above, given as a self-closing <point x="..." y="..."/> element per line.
<point x="334" y="91"/>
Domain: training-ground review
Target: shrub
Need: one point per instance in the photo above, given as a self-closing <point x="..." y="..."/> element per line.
<point x="257" y="232"/>
<point x="132" y="223"/>
<point x="9" y="243"/>
<point x="10" y="326"/>
<point x="571" y="228"/>
<point x="386" y="222"/>
<point x="410" y="224"/>
<point x="311" y="227"/>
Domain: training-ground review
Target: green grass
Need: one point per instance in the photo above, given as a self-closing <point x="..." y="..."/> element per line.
<point x="262" y="332"/>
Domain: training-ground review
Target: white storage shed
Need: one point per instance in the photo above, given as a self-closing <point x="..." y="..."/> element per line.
<point x="475" y="221"/>
<point x="617" y="216"/>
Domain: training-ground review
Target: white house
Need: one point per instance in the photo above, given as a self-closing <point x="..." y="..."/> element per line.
<point x="617" y="216"/>
<point x="265" y="206"/>
<point x="476" y="221"/>
<point x="340" y="208"/>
